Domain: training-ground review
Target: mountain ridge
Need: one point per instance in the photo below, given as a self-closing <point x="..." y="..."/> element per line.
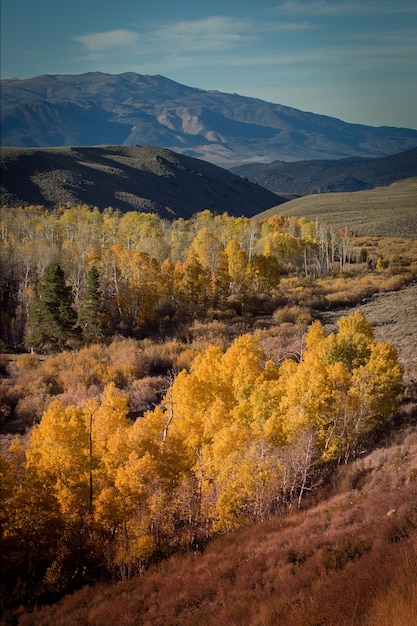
<point x="226" y="129"/>
<point x="303" y="178"/>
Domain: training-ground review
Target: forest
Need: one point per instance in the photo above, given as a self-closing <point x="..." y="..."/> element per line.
<point x="138" y="275"/>
<point x="173" y="381"/>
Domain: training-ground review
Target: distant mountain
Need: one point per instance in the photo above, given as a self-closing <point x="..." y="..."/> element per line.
<point x="148" y="179"/>
<point x="227" y="129"/>
<point x="352" y="174"/>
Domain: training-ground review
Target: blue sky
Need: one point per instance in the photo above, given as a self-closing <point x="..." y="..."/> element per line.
<point x="354" y="60"/>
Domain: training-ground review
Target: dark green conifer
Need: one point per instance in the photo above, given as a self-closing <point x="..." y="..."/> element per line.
<point x="52" y="317"/>
<point x="90" y="313"/>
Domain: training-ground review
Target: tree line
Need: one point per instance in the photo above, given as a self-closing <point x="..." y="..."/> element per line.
<point x="137" y="273"/>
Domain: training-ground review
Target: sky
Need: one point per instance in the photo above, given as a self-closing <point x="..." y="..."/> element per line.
<point x="354" y="60"/>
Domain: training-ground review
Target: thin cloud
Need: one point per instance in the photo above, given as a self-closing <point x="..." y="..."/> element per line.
<point x="289" y="26"/>
<point x="109" y="40"/>
<point x="345" y="7"/>
<point x="212" y="33"/>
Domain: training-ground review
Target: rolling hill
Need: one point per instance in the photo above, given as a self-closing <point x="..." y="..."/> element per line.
<point x="303" y="178"/>
<point x="130" y="178"/>
<point x="382" y="212"/>
<point x="226" y="129"/>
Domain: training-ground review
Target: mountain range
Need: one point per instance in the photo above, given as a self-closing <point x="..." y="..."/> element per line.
<point x="226" y="129"/>
<point x="128" y="178"/>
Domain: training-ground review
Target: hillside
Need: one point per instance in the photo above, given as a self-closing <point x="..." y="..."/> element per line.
<point x="349" y="557"/>
<point x="349" y="560"/>
<point x="382" y="212"/>
<point x="303" y="178"/>
<point x="148" y="179"/>
<point x="228" y="129"/>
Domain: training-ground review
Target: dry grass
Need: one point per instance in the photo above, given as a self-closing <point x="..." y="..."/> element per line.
<point x="397" y="605"/>
<point x="384" y="211"/>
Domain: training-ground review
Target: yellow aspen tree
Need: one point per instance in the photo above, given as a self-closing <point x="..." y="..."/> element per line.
<point x="373" y="394"/>
<point x="244" y="361"/>
<point x="352" y="343"/>
<point x="221" y="280"/>
<point x="195" y="284"/>
<point x="263" y="273"/>
<point x="108" y="429"/>
<point x="237" y="264"/>
<point x="60" y="449"/>
<point x="207" y="247"/>
<point x="31" y="525"/>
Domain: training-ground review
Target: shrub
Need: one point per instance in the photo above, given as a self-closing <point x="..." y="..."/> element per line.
<point x="350" y="549"/>
<point x="293" y="315"/>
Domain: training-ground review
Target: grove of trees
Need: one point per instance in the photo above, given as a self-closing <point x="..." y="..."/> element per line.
<point x="235" y="437"/>
<point x="136" y="274"/>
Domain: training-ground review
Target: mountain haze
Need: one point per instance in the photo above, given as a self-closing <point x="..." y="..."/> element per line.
<point x="129" y="178"/>
<point x="227" y="129"/>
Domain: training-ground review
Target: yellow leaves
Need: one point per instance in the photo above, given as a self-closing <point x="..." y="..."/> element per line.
<point x="243" y="362"/>
<point x="132" y="551"/>
<point x="342" y="388"/>
<point x="315" y="337"/>
<point x="352" y="344"/>
<point x="134" y="476"/>
<point x="379" y="382"/>
<point x="60" y="443"/>
<point x="247" y="482"/>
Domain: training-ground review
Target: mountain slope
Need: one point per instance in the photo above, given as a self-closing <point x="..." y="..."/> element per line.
<point x="302" y="178"/>
<point x="382" y="212"/>
<point x="128" y="178"/>
<point x="129" y="109"/>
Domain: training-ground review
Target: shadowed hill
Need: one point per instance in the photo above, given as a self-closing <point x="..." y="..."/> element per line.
<point x="138" y="178"/>
<point x="303" y="178"/>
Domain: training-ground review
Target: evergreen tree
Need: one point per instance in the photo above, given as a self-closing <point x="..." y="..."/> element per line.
<point x="90" y="313"/>
<point x="52" y="317"/>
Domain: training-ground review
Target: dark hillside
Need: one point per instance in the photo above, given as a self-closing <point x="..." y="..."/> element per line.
<point x="303" y="178"/>
<point x="136" y="178"/>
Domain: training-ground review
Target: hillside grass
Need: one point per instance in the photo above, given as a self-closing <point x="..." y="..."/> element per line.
<point x="382" y="212"/>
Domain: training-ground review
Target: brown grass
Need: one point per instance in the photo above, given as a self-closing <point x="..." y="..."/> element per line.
<point x="384" y="211"/>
